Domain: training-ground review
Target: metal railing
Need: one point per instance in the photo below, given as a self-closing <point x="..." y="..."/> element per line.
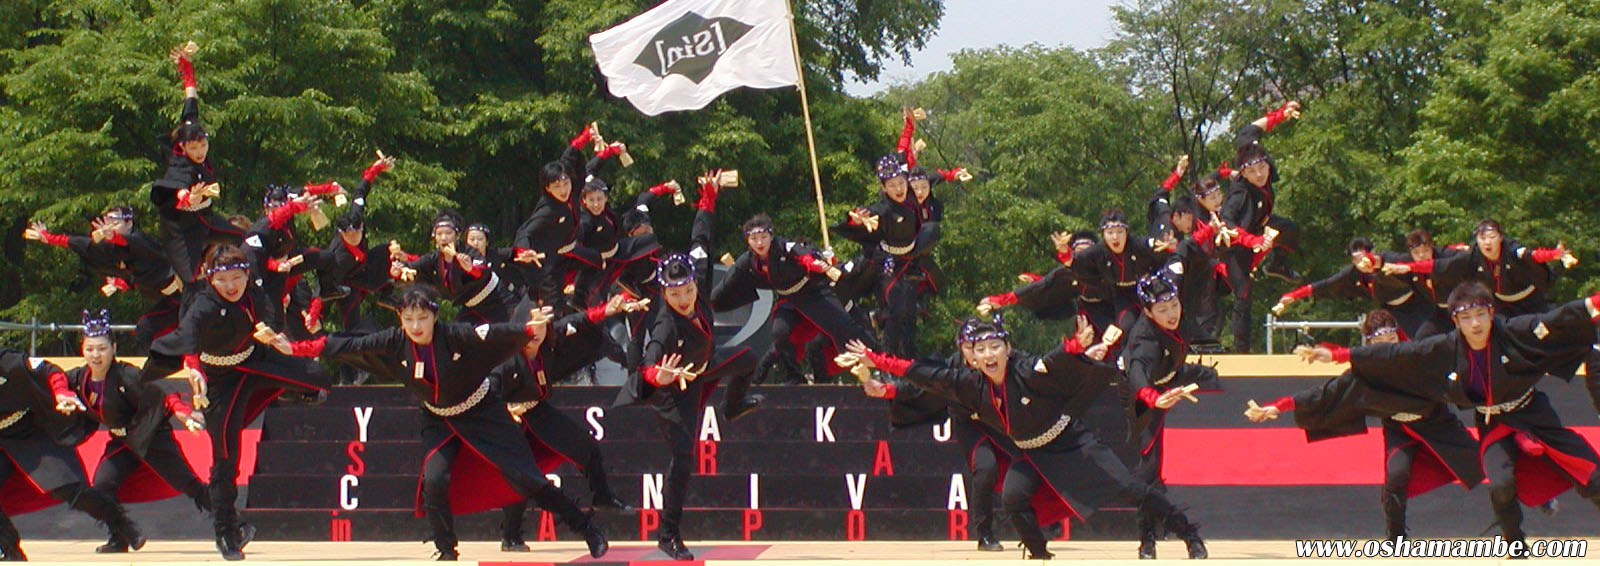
<point x="1303" y="325"/>
<point x="34" y="327"/>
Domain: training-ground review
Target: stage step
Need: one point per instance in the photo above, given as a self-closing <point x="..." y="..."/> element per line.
<point x="637" y="457"/>
<point x="698" y="524"/>
<point x="781" y="490"/>
<point x="297" y="422"/>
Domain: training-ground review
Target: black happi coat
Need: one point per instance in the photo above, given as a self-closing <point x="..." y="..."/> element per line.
<point x="1037" y="393"/>
<point x="1340" y="406"/>
<point x="1517" y="281"/>
<point x="1521" y="351"/>
<point x="455" y="374"/>
<point x="460" y="286"/>
<point x="694" y="338"/>
<point x="571" y="344"/>
<point x="188" y="232"/>
<point x="40" y="443"/>
<point x="138" y="419"/>
<point x="1155" y="357"/>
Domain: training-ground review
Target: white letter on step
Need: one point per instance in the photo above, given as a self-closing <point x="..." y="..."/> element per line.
<point x="363" y="418"/>
<point x="824" y="424"/>
<point x="857" y="484"/>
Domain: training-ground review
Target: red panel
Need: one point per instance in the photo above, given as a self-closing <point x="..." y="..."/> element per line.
<point x="1279" y="456"/>
<point x="196" y="448"/>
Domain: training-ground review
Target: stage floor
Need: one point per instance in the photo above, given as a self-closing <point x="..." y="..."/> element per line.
<point x="1255" y="552"/>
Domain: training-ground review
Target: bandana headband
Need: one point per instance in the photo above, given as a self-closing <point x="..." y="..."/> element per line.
<point x="661" y="271"/>
<point x="215" y="269"/>
<point x="1380" y="332"/>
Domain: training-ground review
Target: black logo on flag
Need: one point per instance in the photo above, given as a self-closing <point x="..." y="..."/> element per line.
<point x="690" y="46"/>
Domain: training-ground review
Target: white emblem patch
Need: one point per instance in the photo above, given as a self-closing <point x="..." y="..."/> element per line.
<point x="1026" y="400"/>
<point x="1039" y="367"/>
<point x="571" y="330"/>
<point x="1452" y="376"/>
<point x="482" y="330"/>
<point x="253" y="241"/>
<point x="697" y="252"/>
<point x="1541" y="331"/>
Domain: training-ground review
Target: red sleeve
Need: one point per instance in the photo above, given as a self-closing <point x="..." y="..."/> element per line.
<point x="176" y="405"/>
<point x="1149" y="395"/>
<point x="1005" y="299"/>
<point x="708" y="197"/>
<point x="280" y="217"/>
<point x="1593" y="304"/>
<point x="314" y="311"/>
<point x="186" y="70"/>
<point x="811" y="264"/>
<point x="191" y="361"/>
<point x="1221" y="270"/>
<point x="596" y="313"/>
<point x="1071" y="345"/>
<point x="58" y="385"/>
<point x="1298" y="293"/>
<point x="1543" y="255"/>
<point x="851" y="220"/>
<point x="1064" y="257"/>
<point x="1031" y="276"/>
<point x="609" y="151"/>
<point x="117" y="239"/>
<point x="58" y="240"/>
<point x="949" y="174"/>
<point x="1283" y="404"/>
<point x="582" y="138"/>
<point x="1224" y="171"/>
<point x="1172" y="180"/>
<point x="323" y="189"/>
<point x="309" y="348"/>
<point x="661" y="189"/>
<point x="904" y="146"/>
<point x="890" y="391"/>
<point x="183" y="200"/>
<point x="1341" y="354"/>
<point x="472" y="268"/>
<point x="273" y="263"/>
<point x="120" y="283"/>
<point x="1276" y="117"/>
<point x="372" y="171"/>
<point x="649" y="375"/>
<point x="1248" y="240"/>
<point x="895" y="366"/>
<point x="1460" y="247"/>
<point x="1204" y="232"/>
<point x="1424" y="266"/>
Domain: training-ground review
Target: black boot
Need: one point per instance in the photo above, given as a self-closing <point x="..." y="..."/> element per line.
<point x="105" y="508"/>
<point x="445" y="545"/>
<point x="1279" y="267"/>
<point x="988" y="543"/>
<point x="673" y="547"/>
<point x="112" y="546"/>
<point x="600" y="484"/>
<point x="1147" y="536"/>
<point x="551" y="499"/>
<point x="1178" y="524"/>
<point x="196" y="491"/>
<point x="229" y="542"/>
<point x="1027" y="526"/>
<point x="511" y="528"/>
<point x="10" y="541"/>
<point x="1394" y="514"/>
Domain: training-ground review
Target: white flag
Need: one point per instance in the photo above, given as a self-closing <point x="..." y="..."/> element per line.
<point x="683" y="54"/>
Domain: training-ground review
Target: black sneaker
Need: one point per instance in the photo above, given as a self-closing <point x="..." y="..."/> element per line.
<point x="674" y="548"/>
<point x="112" y="546"/>
<point x="513" y="544"/>
<point x="228" y="545"/>
<point x="988" y="543"/>
<point x="1147" y="549"/>
<point x="596" y="539"/>
<point x="448" y="555"/>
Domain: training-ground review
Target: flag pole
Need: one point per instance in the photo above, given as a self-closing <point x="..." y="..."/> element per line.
<point x="811" y="142"/>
